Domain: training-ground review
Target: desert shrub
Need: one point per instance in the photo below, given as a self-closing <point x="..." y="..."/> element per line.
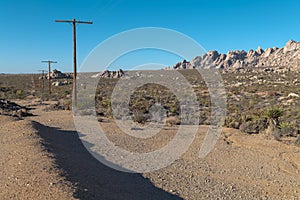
<point x="253" y="127"/>
<point x="106" y="102"/>
<point x="103" y="106"/>
<point x="139" y="117"/>
<point x="174" y="110"/>
<point x="287" y="129"/>
<point x="18" y="94"/>
<point x="108" y="111"/>
<point x="273" y="115"/>
<point x="284" y="125"/>
<point x="248" y="117"/>
<point x="232" y="122"/>
<point x="140" y="105"/>
<point x="84" y="104"/>
<point x="171" y="121"/>
<point x="68" y="104"/>
<point x="204" y="116"/>
<point x="67" y="92"/>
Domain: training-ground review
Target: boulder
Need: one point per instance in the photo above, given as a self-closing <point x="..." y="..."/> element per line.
<point x="57" y="83"/>
<point x="293" y="95"/>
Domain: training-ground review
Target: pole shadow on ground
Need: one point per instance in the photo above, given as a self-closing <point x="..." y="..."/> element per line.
<point x="93" y="179"/>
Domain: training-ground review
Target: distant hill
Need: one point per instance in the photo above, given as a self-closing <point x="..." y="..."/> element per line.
<point x="285" y="58"/>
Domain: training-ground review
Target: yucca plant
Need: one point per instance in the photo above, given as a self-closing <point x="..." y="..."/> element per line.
<point x="273" y="115"/>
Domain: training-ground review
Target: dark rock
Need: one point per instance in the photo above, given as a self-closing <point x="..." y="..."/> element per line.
<point x="13" y="109"/>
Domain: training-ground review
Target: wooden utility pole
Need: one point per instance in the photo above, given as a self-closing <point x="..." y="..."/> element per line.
<point x="74" y="22"/>
<point x="43" y="81"/>
<point x="34" y="82"/>
<point x="49" y="71"/>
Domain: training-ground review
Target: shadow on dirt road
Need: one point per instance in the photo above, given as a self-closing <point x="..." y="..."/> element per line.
<point x="94" y="180"/>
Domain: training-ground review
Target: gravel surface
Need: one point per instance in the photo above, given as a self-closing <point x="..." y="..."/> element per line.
<point x="55" y="165"/>
<point x="27" y="170"/>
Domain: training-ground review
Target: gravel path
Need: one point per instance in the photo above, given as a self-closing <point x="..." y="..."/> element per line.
<point x="240" y="167"/>
<point x="27" y="170"/>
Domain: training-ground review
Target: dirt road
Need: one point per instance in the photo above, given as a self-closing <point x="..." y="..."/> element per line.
<point x="43" y="158"/>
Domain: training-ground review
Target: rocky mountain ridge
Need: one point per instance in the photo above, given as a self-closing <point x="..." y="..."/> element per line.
<point x="285" y="58"/>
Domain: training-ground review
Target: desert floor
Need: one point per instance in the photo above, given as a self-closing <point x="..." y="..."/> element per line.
<point x="43" y="158"/>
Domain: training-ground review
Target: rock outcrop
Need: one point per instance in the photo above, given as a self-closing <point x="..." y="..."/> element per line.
<point x="61" y="83"/>
<point x="110" y="74"/>
<point x="56" y="74"/>
<point x="286" y="58"/>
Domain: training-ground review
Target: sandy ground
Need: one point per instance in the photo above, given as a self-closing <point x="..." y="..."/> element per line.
<point x="42" y="158"/>
<point x="27" y="170"/>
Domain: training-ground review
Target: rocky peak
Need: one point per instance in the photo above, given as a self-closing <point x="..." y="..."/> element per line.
<point x="291" y="45"/>
<point x="268" y="52"/>
<point x="237" y="54"/>
<point x="182" y="65"/>
<point x="259" y="50"/>
<point x="252" y="53"/>
<point x="213" y="54"/>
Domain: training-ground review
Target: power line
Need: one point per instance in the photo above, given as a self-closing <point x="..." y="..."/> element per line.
<point x="74" y="23"/>
<point x="49" y="71"/>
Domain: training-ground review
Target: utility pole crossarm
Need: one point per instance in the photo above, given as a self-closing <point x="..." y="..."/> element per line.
<point x="48" y="61"/>
<point x="74" y="21"/>
<point x="82" y="22"/>
<point x="68" y="21"/>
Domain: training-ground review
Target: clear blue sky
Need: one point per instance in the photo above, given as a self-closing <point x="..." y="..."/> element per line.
<point x="29" y="34"/>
